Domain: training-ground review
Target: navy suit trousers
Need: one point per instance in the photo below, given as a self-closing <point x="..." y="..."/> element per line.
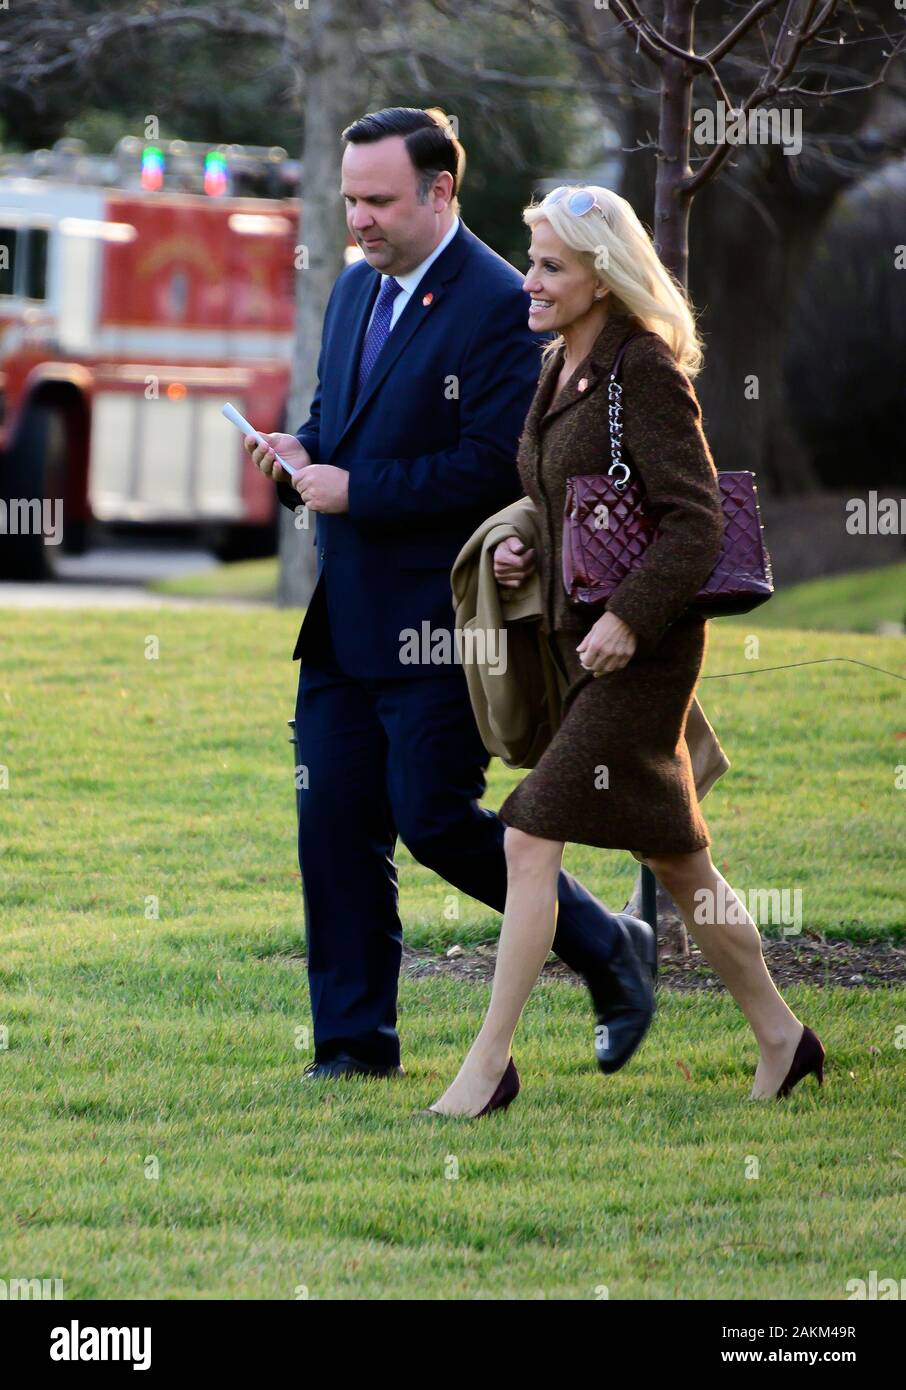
<point x="388" y="758"/>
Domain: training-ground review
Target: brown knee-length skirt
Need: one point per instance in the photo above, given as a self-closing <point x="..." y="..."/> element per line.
<point x="617" y="773"/>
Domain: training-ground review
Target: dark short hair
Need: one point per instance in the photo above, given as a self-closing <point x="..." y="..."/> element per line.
<point x="429" y="139"/>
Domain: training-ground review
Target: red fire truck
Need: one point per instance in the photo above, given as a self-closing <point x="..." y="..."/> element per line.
<point x="138" y="293"/>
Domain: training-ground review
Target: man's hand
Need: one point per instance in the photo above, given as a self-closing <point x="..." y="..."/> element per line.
<point x="609" y="646"/>
<point x="513" y="564"/>
<point x="286" y="445"/>
<point x="323" y="488"/>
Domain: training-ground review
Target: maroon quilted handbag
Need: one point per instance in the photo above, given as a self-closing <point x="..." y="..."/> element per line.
<point x="607" y="530"/>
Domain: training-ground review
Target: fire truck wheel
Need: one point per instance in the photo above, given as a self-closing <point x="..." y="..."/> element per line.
<point x="35" y="470"/>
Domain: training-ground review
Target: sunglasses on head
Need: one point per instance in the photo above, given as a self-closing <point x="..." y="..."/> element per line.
<point x="580" y="200"/>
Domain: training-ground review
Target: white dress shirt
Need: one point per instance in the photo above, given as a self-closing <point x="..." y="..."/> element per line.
<point x="409" y="282"/>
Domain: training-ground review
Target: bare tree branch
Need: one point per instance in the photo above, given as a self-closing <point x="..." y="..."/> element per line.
<point x="473" y="71"/>
<point x="629" y="21"/>
<point x="730" y="40"/>
<point x="80" y="48"/>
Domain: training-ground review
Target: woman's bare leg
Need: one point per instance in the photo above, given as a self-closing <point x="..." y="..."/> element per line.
<point x="733" y="949"/>
<point x="526" y="937"/>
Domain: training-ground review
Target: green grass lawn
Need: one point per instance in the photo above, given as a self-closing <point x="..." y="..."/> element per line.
<point x="857" y="602"/>
<point x="153" y="998"/>
<point x="243" y="579"/>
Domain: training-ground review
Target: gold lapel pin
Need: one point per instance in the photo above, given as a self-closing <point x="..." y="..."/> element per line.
<point x="427" y="299"/>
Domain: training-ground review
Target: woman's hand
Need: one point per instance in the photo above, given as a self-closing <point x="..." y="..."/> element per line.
<point x="513" y="563"/>
<point x="608" y="646"/>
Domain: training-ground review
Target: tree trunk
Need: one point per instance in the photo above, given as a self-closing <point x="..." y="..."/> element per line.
<point x="671" y="204"/>
<point x="332" y="96"/>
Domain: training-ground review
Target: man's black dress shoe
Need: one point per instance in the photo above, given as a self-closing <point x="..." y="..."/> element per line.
<point x="344" y="1065"/>
<point x="624" y="998"/>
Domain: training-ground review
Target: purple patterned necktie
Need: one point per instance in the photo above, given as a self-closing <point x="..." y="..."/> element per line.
<point x="379" y="328"/>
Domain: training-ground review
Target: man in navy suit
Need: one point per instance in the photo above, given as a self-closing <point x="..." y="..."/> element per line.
<point x="426" y="371"/>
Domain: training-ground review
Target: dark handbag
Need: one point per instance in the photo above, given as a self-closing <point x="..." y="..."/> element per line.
<point x="607" y="529"/>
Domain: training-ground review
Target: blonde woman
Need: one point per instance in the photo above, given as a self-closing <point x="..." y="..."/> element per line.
<point x="617" y="774"/>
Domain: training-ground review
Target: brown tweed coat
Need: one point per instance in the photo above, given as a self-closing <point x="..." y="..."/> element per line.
<point x="618" y="774"/>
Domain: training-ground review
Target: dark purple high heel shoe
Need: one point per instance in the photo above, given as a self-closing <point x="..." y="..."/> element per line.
<point x="506" y="1093"/>
<point x="809" y="1057"/>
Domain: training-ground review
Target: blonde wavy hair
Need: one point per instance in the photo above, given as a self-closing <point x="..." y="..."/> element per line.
<point x="620" y="251"/>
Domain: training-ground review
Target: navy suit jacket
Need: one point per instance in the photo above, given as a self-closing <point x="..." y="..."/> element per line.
<point x="430" y="446"/>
